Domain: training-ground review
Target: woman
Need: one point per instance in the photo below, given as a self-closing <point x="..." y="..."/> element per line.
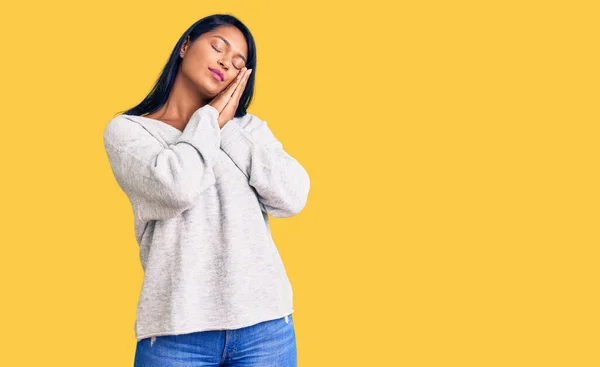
<point x="202" y="174"/>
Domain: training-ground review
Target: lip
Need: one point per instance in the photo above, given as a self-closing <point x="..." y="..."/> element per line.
<point x="217" y="73"/>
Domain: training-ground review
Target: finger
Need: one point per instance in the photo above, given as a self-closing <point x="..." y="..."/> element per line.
<point x="228" y="92"/>
<point x="237" y="80"/>
<point x="241" y="85"/>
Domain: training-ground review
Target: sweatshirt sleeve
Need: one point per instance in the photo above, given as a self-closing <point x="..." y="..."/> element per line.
<point x="281" y="182"/>
<point x="162" y="181"/>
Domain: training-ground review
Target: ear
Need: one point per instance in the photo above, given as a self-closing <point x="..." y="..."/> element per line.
<point x="185" y="46"/>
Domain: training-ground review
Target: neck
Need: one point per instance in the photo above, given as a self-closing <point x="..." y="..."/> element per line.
<point x="183" y="101"/>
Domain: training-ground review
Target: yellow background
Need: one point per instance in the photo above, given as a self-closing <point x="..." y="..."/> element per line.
<point x="453" y="154"/>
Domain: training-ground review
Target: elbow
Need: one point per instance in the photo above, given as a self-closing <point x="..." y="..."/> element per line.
<point x="187" y="195"/>
<point x="298" y="200"/>
<point x="165" y="207"/>
<point x="287" y="210"/>
<point x="295" y="209"/>
<point x="183" y="202"/>
<point x="172" y="201"/>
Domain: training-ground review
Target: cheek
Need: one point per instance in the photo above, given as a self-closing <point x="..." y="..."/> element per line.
<point x="196" y="71"/>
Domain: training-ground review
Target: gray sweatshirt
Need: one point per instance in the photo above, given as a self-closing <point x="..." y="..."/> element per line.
<point x="200" y="200"/>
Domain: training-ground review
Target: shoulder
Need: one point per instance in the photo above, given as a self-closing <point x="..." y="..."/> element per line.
<point x="117" y="124"/>
<point x="256" y="128"/>
<point x="121" y="129"/>
<point x="250" y="122"/>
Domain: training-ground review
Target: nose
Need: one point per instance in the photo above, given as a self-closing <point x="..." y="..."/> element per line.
<point x="224" y="64"/>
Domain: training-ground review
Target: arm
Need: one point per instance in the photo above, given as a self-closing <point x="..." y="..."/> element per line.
<point x="281" y="182"/>
<point x="162" y="182"/>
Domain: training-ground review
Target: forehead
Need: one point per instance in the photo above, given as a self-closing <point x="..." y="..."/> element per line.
<point x="231" y="36"/>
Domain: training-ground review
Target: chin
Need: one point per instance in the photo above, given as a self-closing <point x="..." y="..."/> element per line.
<point x="212" y="92"/>
<point x="208" y="89"/>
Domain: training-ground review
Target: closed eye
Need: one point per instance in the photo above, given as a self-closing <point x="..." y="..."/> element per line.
<point x="221" y="51"/>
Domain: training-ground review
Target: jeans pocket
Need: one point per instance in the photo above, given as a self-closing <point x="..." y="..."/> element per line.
<point x="274" y="326"/>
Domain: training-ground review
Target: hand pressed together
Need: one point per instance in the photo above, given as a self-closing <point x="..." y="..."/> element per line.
<point x="226" y="102"/>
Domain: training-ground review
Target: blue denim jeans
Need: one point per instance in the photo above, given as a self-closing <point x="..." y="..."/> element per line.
<point x="269" y="343"/>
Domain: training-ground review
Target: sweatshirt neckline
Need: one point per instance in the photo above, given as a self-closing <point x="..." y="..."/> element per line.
<point x="158" y="122"/>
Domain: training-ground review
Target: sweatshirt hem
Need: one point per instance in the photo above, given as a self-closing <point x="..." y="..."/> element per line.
<point x="204" y="328"/>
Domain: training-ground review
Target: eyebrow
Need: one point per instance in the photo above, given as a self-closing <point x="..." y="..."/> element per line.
<point x="229" y="44"/>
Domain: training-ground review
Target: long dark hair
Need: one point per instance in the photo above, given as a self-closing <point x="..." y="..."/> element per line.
<point x="160" y="92"/>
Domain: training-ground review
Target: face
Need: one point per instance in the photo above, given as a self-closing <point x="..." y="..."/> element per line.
<point x="221" y="51"/>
